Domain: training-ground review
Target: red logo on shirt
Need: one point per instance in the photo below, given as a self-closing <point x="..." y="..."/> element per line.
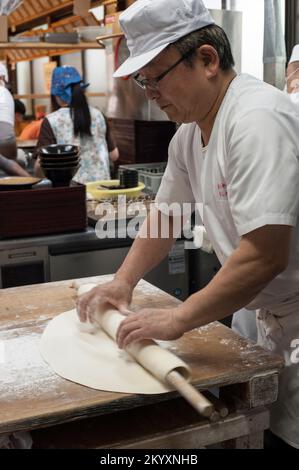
<point x="222" y="190"/>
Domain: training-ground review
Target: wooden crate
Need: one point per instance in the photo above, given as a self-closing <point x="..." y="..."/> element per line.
<point x="142" y="141"/>
<point x="42" y="211"/>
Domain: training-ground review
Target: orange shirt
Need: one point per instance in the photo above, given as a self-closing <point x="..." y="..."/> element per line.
<point x="19" y="127"/>
<point x="31" y="131"/>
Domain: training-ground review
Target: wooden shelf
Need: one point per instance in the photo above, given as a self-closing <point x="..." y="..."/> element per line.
<point x="37" y="96"/>
<point x="50" y="45"/>
<point x="109" y="36"/>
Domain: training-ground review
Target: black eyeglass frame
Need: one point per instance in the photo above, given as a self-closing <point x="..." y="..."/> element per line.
<point x="152" y="83"/>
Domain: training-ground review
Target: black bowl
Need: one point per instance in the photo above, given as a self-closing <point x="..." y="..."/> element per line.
<point x="57" y="150"/>
<point x="60" y="165"/>
<point x="59" y="159"/>
<point x="61" y="176"/>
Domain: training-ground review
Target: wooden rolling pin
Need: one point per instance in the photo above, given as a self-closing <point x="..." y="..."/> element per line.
<point x="220" y="407"/>
<point x="110" y="320"/>
<point x="193" y="396"/>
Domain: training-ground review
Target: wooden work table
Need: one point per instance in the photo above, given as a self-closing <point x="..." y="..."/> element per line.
<point x="34" y="397"/>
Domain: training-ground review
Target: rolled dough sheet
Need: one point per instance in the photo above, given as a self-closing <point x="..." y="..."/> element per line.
<point x="94" y="360"/>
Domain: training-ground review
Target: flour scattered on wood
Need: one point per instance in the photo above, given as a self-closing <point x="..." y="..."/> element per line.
<point x="23" y="371"/>
<point x="226" y="342"/>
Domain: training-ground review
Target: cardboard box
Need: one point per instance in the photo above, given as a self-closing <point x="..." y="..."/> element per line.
<point x="3" y="28"/>
<point x="81" y="7"/>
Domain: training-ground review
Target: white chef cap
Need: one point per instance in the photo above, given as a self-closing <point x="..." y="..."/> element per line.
<point x="295" y="54"/>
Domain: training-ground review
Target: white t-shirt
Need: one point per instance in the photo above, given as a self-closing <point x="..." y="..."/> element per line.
<point x="7" y="106"/>
<point x="247" y="178"/>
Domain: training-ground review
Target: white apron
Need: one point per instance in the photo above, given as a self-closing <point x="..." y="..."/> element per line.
<point x="244" y="323"/>
<point x="278" y="331"/>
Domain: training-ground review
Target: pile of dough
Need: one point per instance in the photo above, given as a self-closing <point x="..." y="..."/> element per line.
<point x="94" y="360"/>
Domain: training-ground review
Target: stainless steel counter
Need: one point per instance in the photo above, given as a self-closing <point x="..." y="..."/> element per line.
<point x="34" y="260"/>
<point x="46" y="240"/>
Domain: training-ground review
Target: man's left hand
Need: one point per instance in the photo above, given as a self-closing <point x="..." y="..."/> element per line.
<point x="163" y="324"/>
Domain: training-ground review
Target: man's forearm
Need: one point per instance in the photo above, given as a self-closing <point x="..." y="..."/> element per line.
<point x="11" y="167"/>
<point x="238" y="282"/>
<point x="146" y="252"/>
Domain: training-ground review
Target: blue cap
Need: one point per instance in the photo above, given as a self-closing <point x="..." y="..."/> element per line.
<point x="62" y="80"/>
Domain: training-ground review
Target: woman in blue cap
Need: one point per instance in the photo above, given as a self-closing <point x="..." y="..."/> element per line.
<point x="74" y="122"/>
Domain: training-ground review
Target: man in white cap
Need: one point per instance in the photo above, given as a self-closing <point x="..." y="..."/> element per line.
<point x="8" y="147"/>
<point x="292" y="76"/>
<point x="236" y="153"/>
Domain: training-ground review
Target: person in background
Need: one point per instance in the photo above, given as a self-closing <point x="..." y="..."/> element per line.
<point x="11" y="167"/>
<point x="32" y="130"/>
<point x="237" y="155"/>
<point x="292" y="76"/>
<point x="74" y="122"/>
<point x="20" y="111"/>
<point x="8" y="146"/>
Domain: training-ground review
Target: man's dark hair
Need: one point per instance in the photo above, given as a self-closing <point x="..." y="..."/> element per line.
<point x="212" y="35"/>
<point x="20" y="107"/>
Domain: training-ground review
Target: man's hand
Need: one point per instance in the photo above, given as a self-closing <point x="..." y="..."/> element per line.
<point x="164" y="324"/>
<point x="117" y="293"/>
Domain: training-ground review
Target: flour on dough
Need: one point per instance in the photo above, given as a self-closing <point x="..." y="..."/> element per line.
<point x="96" y="361"/>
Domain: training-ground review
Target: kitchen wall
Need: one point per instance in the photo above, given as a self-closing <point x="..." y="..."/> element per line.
<point x="39" y="81"/>
<point x="253" y="43"/>
<point x="74" y="60"/>
<point x="253" y="20"/>
<point x="24" y="83"/>
<point x="96" y="75"/>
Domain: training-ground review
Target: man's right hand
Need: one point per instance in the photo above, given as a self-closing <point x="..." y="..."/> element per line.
<point x="117" y="293"/>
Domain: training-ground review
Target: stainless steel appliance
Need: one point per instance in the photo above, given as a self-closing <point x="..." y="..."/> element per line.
<point x="171" y="275"/>
<point x="75" y="255"/>
<point x="21" y="266"/>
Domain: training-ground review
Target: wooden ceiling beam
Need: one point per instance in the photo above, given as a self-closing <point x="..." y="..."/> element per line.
<point x="46" y="11"/>
<point x="48" y="46"/>
<point x="38" y="7"/>
<point x="18" y="16"/>
<point x="30" y="7"/>
<point x="25" y="11"/>
<point x="29" y="20"/>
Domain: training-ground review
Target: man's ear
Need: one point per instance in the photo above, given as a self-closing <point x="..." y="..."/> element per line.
<point x="209" y="56"/>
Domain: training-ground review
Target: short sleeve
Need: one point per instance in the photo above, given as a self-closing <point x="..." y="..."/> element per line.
<point x="263" y="170"/>
<point x="46" y="136"/>
<point x="175" y="186"/>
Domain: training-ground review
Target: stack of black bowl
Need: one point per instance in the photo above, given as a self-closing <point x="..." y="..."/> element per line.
<point x="60" y="163"/>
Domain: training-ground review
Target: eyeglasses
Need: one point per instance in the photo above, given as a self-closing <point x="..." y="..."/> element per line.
<point x="152" y="83"/>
